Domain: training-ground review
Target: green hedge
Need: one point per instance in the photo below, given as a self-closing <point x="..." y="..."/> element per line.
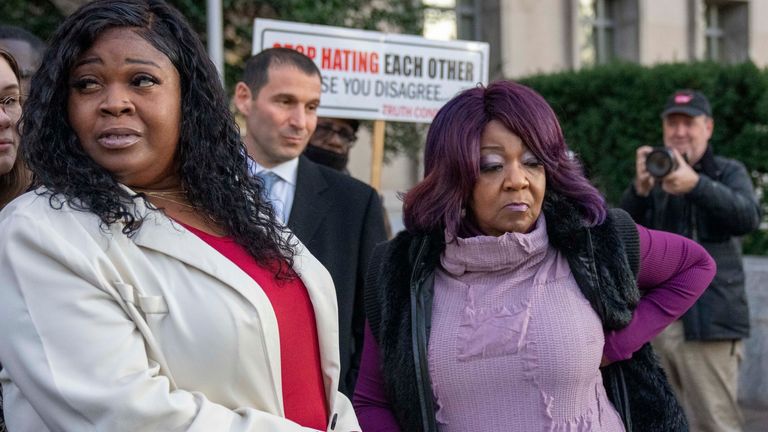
<point x="608" y="111"/>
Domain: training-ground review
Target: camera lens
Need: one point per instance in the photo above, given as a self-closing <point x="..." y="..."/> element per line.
<point x="660" y="162"/>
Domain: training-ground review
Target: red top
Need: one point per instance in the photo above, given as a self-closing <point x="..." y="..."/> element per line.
<point x="303" y="389"/>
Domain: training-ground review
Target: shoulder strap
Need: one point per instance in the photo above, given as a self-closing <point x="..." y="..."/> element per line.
<point x="627" y="231"/>
<point x="613" y="375"/>
<point x="371" y="294"/>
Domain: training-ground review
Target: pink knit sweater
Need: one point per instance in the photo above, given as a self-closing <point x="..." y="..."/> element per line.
<point x="514" y="344"/>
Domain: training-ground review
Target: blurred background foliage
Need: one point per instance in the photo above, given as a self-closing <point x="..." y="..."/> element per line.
<point x="607" y="112"/>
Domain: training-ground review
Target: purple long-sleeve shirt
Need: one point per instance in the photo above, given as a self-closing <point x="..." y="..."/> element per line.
<point x="673" y="273"/>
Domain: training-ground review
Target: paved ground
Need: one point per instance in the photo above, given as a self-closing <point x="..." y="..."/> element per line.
<point x="755" y="420"/>
<point x="754" y="373"/>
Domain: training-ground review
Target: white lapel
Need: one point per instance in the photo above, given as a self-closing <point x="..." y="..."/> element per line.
<point x="323" y="296"/>
<point x="161" y="234"/>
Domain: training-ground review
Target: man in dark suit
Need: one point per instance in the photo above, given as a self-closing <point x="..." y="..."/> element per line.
<point x="337" y="217"/>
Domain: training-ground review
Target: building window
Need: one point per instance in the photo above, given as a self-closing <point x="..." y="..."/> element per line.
<point x="452" y="19"/>
<point x="440" y="19"/>
<point x="467" y="20"/>
<point x="596" y="35"/>
<point x="726" y="31"/>
<point x="713" y="33"/>
<point x="608" y="31"/>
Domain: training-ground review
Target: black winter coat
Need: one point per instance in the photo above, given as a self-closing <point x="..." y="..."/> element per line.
<point x="399" y="300"/>
<point x="720" y="208"/>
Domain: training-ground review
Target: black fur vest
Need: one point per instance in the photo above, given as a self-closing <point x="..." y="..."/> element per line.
<point x="399" y="300"/>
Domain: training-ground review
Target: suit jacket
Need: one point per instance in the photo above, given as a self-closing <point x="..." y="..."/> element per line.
<point x="340" y="220"/>
<point x="156" y="332"/>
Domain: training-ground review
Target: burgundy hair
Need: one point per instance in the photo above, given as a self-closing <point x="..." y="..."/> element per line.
<point x="452" y="154"/>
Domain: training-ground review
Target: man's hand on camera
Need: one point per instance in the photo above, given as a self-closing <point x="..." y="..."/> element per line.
<point x="643" y="179"/>
<point x="682" y="180"/>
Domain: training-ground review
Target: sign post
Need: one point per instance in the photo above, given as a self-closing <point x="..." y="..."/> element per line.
<point x="369" y="75"/>
<point x="377" y="155"/>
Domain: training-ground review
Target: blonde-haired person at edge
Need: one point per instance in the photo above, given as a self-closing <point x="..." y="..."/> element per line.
<point x="146" y="286"/>
<point x="13" y="177"/>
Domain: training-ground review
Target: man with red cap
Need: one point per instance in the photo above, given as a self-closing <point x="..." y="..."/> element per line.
<point x="687" y="189"/>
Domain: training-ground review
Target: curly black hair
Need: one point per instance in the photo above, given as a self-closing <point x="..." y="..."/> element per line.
<point x="212" y="160"/>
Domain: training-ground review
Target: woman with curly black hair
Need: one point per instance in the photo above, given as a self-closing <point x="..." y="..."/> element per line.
<point x="146" y="285"/>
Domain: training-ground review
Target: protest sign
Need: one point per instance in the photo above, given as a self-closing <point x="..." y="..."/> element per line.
<point x="379" y="76"/>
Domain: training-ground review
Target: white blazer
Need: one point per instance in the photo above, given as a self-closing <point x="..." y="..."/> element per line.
<point x="158" y="332"/>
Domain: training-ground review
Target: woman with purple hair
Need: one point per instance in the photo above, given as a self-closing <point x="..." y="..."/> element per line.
<point x="515" y="300"/>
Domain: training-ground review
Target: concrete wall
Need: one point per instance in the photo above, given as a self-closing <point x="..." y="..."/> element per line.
<point x="663" y="31"/>
<point x="753" y="385"/>
<point x="753" y="391"/>
<point x="534" y="35"/>
<point x="758" y="26"/>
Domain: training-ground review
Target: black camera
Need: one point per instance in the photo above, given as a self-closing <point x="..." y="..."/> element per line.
<point x="660" y="162"/>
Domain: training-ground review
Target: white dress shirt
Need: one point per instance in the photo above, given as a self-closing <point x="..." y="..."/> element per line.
<point x="284" y="189"/>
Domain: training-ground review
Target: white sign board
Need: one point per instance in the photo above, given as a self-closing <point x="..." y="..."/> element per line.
<point x="380" y="76"/>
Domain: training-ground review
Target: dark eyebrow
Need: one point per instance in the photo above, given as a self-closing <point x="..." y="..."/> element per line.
<point x="85" y="61"/>
<point x="142" y="62"/>
<point x="290" y="96"/>
<point x="491" y="147"/>
<point x="94" y="59"/>
<point x="13" y="86"/>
